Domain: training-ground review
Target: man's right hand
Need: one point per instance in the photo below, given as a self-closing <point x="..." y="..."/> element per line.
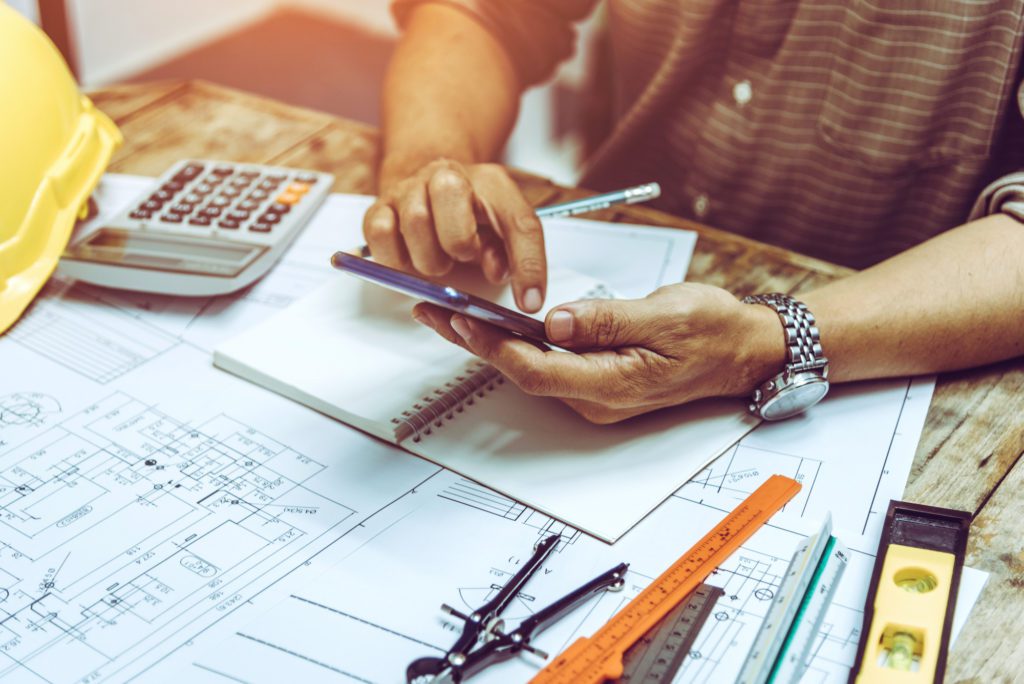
<point x="448" y="212"/>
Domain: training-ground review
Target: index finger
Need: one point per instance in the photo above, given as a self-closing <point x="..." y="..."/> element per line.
<point x="521" y="230"/>
<point x="451" y="201"/>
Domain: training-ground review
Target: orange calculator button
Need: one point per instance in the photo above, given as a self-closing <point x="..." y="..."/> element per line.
<point x="297" y="188"/>
<point x="288" y="198"/>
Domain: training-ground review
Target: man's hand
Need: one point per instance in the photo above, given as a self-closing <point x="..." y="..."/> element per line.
<point x="447" y="212"/>
<point x="680" y="343"/>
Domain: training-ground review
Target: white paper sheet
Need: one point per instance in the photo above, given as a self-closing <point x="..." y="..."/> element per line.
<point x="97" y="384"/>
<point x="370" y="605"/>
<point x="140" y="507"/>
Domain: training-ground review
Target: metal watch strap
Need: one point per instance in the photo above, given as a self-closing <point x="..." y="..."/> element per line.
<point x="803" y="345"/>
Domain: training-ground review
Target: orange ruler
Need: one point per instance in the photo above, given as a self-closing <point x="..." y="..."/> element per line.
<point x="599" y="658"/>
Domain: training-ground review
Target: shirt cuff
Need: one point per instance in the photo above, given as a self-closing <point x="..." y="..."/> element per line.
<point x="1005" y="195"/>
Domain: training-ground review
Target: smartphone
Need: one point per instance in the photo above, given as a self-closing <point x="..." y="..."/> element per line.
<point x="441" y="295"/>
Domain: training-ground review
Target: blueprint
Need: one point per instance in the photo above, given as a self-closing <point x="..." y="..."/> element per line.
<point x="133" y="514"/>
<point x="371" y="606"/>
<point x="164" y="521"/>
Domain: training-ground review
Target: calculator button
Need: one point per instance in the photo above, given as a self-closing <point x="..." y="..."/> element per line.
<point x="261" y="227"/>
<point x="182" y="208"/>
<point x="308" y="178"/>
<point x="238" y="215"/>
<point x="140" y="214"/>
<point x="171" y="218"/>
<point x="223" y="170"/>
<point x="270" y="217"/>
<point x="210" y="211"/>
<point x="187" y="174"/>
<point x="231" y="193"/>
<point x="279" y="208"/>
<point x="288" y="198"/>
<point x="298" y="188"/>
<point x="231" y="225"/>
<point x="219" y="202"/>
<point x="248" y="205"/>
<point x="203" y="189"/>
<point x="268" y="185"/>
<point x="249" y="173"/>
<point x="151" y="205"/>
<point x="276" y="177"/>
<point x="161" y="196"/>
<point x="199" y="221"/>
<point x="258" y="195"/>
<point x="172" y="186"/>
<point x="240" y="182"/>
<point x="192" y="198"/>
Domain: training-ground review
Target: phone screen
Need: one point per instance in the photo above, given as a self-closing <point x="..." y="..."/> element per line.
<point x="441" y="295"/>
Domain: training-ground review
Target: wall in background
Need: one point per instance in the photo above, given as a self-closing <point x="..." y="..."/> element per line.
<point x="116" y="38"/>
<point x="120" y="38"/>
<point x="27" y="7"/>
<point x="372" y="15"/>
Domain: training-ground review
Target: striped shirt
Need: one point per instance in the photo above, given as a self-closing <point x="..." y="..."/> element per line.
<point x="849" y="130"/>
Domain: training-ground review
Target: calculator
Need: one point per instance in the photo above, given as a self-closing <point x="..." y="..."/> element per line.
<point x="205" y="228"/>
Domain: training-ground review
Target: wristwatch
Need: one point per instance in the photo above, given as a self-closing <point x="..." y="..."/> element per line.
<point x="804" y="380"/>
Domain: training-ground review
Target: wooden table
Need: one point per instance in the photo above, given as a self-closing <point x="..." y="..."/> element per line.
<point x="969" y="456"/>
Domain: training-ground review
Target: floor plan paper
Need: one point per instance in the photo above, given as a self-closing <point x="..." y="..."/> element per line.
<point x="331" y="529"/>
<point x="833" y="435"/>
<point x="137" y="509"/>
<point x="377" y="607"/>
<point x="144" y="495"/>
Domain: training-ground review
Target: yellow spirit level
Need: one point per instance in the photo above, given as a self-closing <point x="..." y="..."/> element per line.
<point x="909" y="609"/>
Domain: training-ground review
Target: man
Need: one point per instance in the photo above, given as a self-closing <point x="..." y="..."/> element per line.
<point x="855" y="130"/>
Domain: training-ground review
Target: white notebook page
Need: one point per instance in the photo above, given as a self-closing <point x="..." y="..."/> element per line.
<point x="351" y="351"/>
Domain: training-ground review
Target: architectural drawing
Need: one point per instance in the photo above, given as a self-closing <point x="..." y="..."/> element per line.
<point x="206" y="530"/>
<point x="72" y="328"/>
<point x="27" y="409"/>
<point x="121" y="525"/>
<point x="477" y="496"/>
<point x="830" y="453"/>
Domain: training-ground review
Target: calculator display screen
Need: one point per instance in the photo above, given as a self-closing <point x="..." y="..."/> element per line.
<point x="180" y="254"/>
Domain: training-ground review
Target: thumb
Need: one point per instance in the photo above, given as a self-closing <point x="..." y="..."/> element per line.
<point x="598" y="323"/>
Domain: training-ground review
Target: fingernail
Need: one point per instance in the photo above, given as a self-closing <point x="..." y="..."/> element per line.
<point x="560" y="326"/>
<point x="504" y="275"/>
<point x="421" y="319"/>
<point x="532" y="300"/>
<point x="461" y="327"/>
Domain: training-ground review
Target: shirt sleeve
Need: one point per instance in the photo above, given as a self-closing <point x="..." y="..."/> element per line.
<point x="1004" y="195"/>
<point x="537" y="34"/>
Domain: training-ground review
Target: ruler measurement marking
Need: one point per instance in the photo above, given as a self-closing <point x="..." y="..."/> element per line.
<point x="660" y="653"/>
<point x="600" y="657"/>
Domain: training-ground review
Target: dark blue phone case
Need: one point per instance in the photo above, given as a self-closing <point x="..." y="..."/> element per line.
<point x="441" y="295"/>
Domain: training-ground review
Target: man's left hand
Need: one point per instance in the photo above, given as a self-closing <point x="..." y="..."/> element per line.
<point x="680" y="343"/>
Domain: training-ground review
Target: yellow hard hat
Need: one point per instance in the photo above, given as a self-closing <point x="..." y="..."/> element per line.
<point x="54" y="146"/>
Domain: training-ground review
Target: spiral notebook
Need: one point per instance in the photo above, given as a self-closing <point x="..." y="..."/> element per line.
<point x="350" y="350"/>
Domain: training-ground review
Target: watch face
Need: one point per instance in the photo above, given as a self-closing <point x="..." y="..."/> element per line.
<point x="794" y="399"/>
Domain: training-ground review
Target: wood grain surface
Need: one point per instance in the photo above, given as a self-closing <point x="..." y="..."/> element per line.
<point x="969" y="456"/>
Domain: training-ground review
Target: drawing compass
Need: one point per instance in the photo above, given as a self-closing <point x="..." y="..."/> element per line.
<point x="484" y="641"/>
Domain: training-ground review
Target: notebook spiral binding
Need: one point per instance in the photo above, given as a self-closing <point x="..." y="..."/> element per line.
<point x="478" y="379"/>
<point x="432" y="411"/>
